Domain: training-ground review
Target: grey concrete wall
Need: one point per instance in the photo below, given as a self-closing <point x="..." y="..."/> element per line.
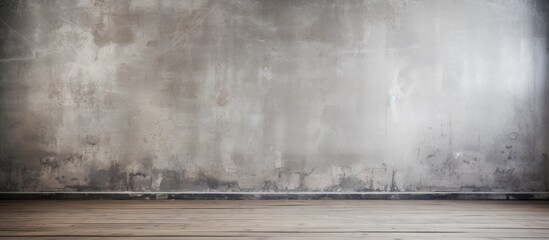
<point x="274" y="95"/>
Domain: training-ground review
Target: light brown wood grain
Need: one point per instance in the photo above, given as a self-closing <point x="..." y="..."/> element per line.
<point x="274" y="219"/>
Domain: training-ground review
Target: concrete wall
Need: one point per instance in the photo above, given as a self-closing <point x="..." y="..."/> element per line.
<point x="274" y="95"/>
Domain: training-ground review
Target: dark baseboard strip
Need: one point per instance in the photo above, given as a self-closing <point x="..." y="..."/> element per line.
<point x="275" y="195"/>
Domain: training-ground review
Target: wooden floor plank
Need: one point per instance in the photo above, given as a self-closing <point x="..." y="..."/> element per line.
<point x="274" y="219"/>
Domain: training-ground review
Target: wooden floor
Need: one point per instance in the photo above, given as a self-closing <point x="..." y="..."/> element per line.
<point x="155" y="219"/>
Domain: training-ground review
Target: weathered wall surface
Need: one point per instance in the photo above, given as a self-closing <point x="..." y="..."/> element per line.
<point x="274" y="95"/>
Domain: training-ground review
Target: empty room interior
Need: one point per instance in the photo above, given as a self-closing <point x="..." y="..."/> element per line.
<point x="274" y="119"/>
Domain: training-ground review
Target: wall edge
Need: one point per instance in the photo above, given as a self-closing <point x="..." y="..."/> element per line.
<point x="274" y="195"/>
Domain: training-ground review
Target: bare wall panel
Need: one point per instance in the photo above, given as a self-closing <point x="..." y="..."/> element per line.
<point x="274" y="95"/>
